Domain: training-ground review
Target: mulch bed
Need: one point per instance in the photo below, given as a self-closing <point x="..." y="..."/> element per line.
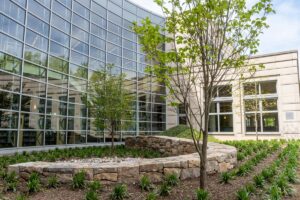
<point x="185" y="189"/>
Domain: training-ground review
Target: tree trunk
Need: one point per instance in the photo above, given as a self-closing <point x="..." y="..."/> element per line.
<point x="112" y="136"/>
<point x="203" y="161"/>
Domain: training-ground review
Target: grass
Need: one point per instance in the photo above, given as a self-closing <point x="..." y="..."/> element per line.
<point x="183" y="131"/>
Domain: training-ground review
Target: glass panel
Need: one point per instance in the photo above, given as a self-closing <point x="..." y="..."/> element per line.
<point x="77" y="123"/>
<point x="213" y="123"/>
<point x="76" y="137"/>
<point x="130" y="7"/>
<point x="225" y="91"/>
<point x="111" y="48"/>
<point x="182" y="120"/>
<point x="251" y="105"/>
<point x="100" y="32"/>
<point x="31" y="138"/>
<point x="129" y="45"/>
<point x="60" y="37"/>
<point x="97" y="42"/>
<point x="159" y="108"/>
<point x="38" y="10"/>
<point x="59" y="51"/>
<point x="114" y="60"/>
<point x="58" y="64"/>
<point x="56" y="93"/>
<point x="86" y="3"/>
<point x="129" y="54"/>
<point x="61" y="10"/>
<point x="158" y="89"/>
<point x="35" y="56"/>
<point x="11" y="46"/>
<point x="60" y="23"/>
<point x="34" y="72"/>
<point x="95" y="137"/>
<point x="270" y="122"/>
<point x="57" y="79"/>
<point x="97" y="53"/>
<point x="268" y="87"/>
<point x="98" y="20"/>
<point x="13" y="11"/>
<point x="56" y="123"/>
<point x="249" y="89"/>
<point x="8" y="120"/>
<point x="98" y="9"/>
<point x="80" y="34"/>
<point x="80" y="46"/>
<point x="37" y="25"/>
<point x="32" y="121"/>
<point x="81" y="10"/>
<point x="55" y="137"/>
<point x="81" y="22"/>
<point x="77" y="96"/>
<point x="158" y="126"/>
<point x="129" y="64"/>
<point x="36" y="40"/>
<point x="77" y="84"/>
<point x="250" y="123"/>
<point x="34" y="88"/>
<point x="158" y="98"/>
<point x="80" y="72"/>
<point x="67" y="3"/>
<point x="129" y="35"/>
<point x="269" y="104"/>
<point x="225" y="107"/>
<point x="9" y="82"/>
<point x="144" y="116"/>
<point x="213" y="107"/>
<point x="79" y="59"/>
<point x="114" y="18"/>
<point x="114" y="38"/>
<point x="32" y="104"/>
<point x="10" y="63"/>
<point x="114" y="28"/>
<point x="9" y="100"/>
<point x="8" y="139"/>
<point x="226" y="123"/>
<point x="96" y="65"/>
<point x="11" y="28"/>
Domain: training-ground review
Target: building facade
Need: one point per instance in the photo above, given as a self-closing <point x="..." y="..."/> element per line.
<point x="271" y="93"/>
<point x="48" y="51"/>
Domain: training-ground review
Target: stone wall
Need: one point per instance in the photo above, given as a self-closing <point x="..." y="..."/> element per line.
<point x="220" y="158"/>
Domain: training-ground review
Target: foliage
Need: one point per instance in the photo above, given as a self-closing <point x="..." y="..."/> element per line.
<point x="52" y="182"/>
<point x="243" y="194"/>
<point x="78" y="181"/>
<point x="91" y="195"/>
<point x="145" y="183"/>
<point x="11" y="181"/>
<point x="172" y="179"/>
<point x="274" y="193"/>
<point x="119" y="192"/>
<point x="94" y="186"/>
<point x="259" y="181"/>
<point x="33" y="183"/>
<point x="151" y="196"/>
<point x="20" y="197"/>
<point x="225" y="177"/>
<point x="110" y="102"/>
<point x="202" y="194"/>
<point x="164" y="189"/>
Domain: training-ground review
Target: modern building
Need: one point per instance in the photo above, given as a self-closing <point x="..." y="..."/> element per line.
<point x="48" y="51"/>
<point x="271" y="93"/>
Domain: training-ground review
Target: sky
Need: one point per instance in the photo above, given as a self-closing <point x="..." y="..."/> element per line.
<point x="283" y="33"/>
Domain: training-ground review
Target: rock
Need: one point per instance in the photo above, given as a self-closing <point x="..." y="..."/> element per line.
<point x="151" y="167"/>
<point x="189" y="173"/>
<point x="176" y="171"/>
<point x="64" y="178"/>
<point x="107" y="177"/>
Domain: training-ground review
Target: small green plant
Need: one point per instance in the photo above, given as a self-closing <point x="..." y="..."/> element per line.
<point x="119" y="192"/>
<point x="11" y="181"/>
<point x="259" y="181"/>
<point x="240" y="156"/>
<point x="250" y="188"/>
<point x="78" y="181"/>
<point x="172" y="179"/>
<point x="202" y="194"/>
<point x="225" y="177"/>
<point x="33" y="183"/>
<point x="91" y="195"/>
<point x="164" y="189"/>
<point x="284" y="186"/>
<point x="151" y="196"/>
<point x="52" y="182"/>
<point x="243" y="194"/>
<point x="20" y="197"/>
<point x="145" y="183"/>
<point x="95" y="186"/>
<point x="274" y="193"/>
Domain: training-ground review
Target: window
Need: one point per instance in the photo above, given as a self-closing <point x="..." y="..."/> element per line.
<point x="12" y="10"/>
<point x="96" y="30"/>
<point x="37" y="25"/>
<point x="98" y="20"/>
<point x="36" y="40"/>
<point x="80" y="46"/>
<point x="80" y="34"/>
<point x="9" y="63"/>
<point x="38" y="10"/>
<point x="98" y="9"/>
<point x="35" y="56"/>
<point x="58" y="64"/>
<point x="81" y="22"/>
<point x="60" y="23"/>
<point x="97" y="42"/>
<point x="10" y="45"/>
<point x="60" y="37"/>
<point x="260" y="103"/>
<point x="81" y="10"/>
<point x="59" y="51"/>
<point x="220" y="114"/>
<point x="61" y="10"/>
<point x="11" y="28"/>
<point x="181" y="115"/>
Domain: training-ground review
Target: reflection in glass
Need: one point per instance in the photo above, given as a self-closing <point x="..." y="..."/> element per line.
<point x="32" y="104"/>
<point x="268" y="87"/>
<point x="10" y="45"/>
<point x="269" y="104"/>
<point x="12" y="10"/>
<point x="31" y="138"/>
<point x="31" y="87"/>
<point x="55" y="137"/>
<point x="10" y="63"/>
<point x="8" y="119"/>
<point x="9" y="101"/>
<point x="8" y="139"/>
<point x="270" y="122"/>
<point x="37" y="25"/>
<point x="32" y="121"/>
<point x="76" y="137"/>
<point x="11" y="28"/>
<point x="226" y="123"/>
<point x="34" y="72"/>
<point x="58" y="64"/>
<point x="225" y="107"/>
<point x="35" y="56"/>
<point x="213" y="123"/>
<point x="36" y="40"/>
<point x="250" y="123"/>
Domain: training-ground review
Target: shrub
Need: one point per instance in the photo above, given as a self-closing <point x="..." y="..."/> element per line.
<point x="119" y="192"/>
<point x="33" y="183"/>
<point x="225" y="177"/>
<point x="202" y="194"/>
<point x="172" y="179"/>
<point x="11" y="181"/>
<point x="250" y="188"/>
<point x="243" y="194"/>
<point x="95" y="186"/>
<point x="274" y="193"/>
<point x="151" y="196"/>
<point x="52" y="182"/>
<point x="164" y="189"/>
<point x="21" y="197"/>
<point x="78" y="180"/>
<point x="259" y="181"/>
<point x="284" y="186"/>
<point x="91" y="195"/>
<point x="145" y="183"/>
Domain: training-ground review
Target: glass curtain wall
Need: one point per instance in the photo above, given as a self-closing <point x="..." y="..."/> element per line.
<point x="49" y="50"/>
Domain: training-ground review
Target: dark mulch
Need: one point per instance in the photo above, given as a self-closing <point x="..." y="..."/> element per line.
<point x="185" y="189"/>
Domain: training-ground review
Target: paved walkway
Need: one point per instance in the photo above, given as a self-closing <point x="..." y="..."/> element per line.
<point x="10" y="151"/>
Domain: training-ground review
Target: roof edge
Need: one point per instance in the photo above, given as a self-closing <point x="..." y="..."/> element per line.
<point x="273" y="54"/>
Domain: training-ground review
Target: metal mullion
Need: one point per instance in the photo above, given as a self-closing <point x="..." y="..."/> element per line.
<point x="21" y="76"/>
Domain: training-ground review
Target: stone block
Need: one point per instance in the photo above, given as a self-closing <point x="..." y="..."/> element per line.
<point x="176" y="171"/>
<point x="189" y="173"/>
<point x="106" y="177"/>
<point x="151" y="167"/>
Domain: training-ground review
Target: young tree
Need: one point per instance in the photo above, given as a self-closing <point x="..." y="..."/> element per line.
<point x="109" y="102"/>
<point x="208" y="43"/>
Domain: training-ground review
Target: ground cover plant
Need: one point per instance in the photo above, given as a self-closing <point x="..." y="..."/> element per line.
<point x="266" y="172"/>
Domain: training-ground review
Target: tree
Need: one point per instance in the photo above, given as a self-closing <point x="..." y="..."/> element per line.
<point x="208" y="43"/>
<point x="109" y="102"/>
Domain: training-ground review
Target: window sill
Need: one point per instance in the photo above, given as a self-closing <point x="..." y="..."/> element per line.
<point x="220" y="133"/>
<point x="263" y="133"/>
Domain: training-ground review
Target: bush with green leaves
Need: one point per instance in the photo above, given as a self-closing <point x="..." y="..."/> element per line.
<point x="164" y="189"/>
<point x="94" y="186"/>
<point x="20" y="197"/>
<point x="33" y="183"/>
<point x="91" y="195"/>
<point x="78" y="181"/>
<point x="145" y="183"/>
<point x="202" y="194"/>
<point x="259" y="181"/>
<point x="243" y="194"/>
<point x="151" y="196"/>
<point x="11" y="181"/>
<point x="172" y="179"/>
<point x="225" y="177"/>
<point x="52" y="182"/>
<point x="119" y="192"/>
<point x="274" y="193"/>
